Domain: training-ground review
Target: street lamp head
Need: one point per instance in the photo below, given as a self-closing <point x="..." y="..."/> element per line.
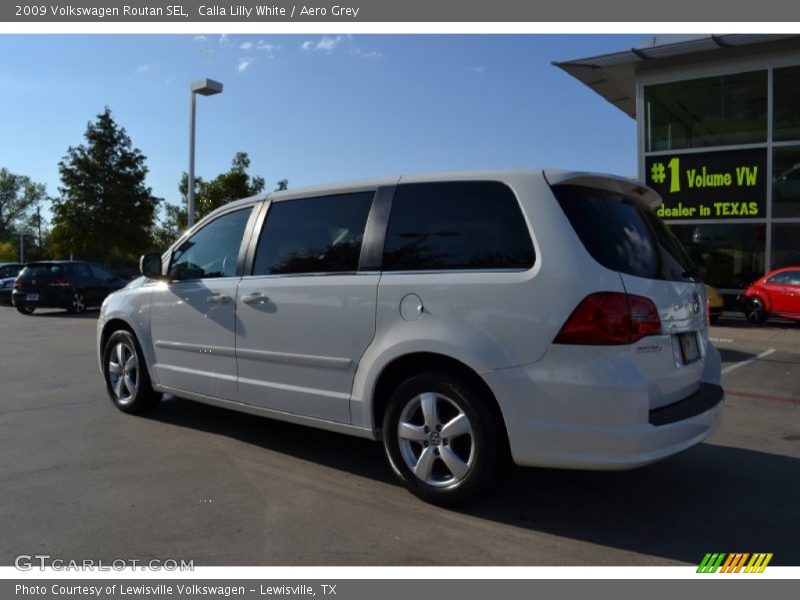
<point x="206" y="87"/>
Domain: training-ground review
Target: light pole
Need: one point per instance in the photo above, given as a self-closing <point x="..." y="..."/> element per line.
<point x="22" y="235"/>
<point x="204" y="87"/>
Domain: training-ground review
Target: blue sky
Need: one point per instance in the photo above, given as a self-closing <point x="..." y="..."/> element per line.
<point x="313" y="108"/>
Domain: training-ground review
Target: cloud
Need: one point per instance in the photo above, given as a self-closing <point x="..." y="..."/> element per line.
<point x="169" y="80"/>
<point x="142" y="69"/>
<point x="200" y="38"/>
<point x="246" y="46"/>
<point x="326" y="44"/>
<point x="244" y="63"/>
<point x="477" y="69"/>
<point x="223" y="39"/>
<point x="262" y="45"/>
<point x="356" y="51"/>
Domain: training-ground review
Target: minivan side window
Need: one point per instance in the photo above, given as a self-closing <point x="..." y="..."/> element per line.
<point x="456" y="225"/>
<point x="313" y="235"/>
<point x="213" y="251"/>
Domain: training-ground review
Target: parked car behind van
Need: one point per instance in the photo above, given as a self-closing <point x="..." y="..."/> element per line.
<point x="776" y="294"/>
<point x="460" y="319"/>
<point x="8" y="273"/>
<point x="10" y="270"/>
<point x="73" y="285"/>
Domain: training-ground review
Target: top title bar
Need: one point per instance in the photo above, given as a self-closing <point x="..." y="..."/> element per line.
<point x="462" y="11"/>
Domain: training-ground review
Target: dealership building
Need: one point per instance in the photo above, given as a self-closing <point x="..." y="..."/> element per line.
<point x="718" y="130"/>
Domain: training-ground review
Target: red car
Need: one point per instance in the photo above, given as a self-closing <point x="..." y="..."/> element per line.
<point x="776" y="294"/>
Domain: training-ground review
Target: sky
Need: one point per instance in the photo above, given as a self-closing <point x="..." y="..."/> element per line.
<point x="313" y="108"/>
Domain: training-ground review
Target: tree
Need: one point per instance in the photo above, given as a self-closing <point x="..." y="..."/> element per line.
<point x="8" y="252"/>
<point x="234" y="184"/>
<point x="19" y="200"/>
<point x="225" y="187"/>
<point x="105" y="211"/>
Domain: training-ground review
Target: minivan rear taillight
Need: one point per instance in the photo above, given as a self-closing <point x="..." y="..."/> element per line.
<point x="607" y="318"/>
<point x="59" y="282"/>
<point x="17" y="283"/>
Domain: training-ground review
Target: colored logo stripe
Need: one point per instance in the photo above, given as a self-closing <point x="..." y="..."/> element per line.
<point x="734" y="563"/>
<point x="710" y="563"/>
<point x="758" y="563"/>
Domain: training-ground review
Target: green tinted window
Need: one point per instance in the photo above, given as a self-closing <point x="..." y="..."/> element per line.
<point x="785" y="249"/>
<point x="786" y="182"/>
<point x="729" y="255"/>
<point x="786" y="111"/>
<point x="711" y="111"/>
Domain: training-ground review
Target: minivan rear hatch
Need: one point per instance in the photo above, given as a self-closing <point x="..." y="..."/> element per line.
<point x="615" y="221"/>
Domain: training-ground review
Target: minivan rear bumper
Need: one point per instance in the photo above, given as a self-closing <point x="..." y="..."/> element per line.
<point x="583" y="419"/>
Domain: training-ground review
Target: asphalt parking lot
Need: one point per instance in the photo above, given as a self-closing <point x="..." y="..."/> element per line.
<point x="79" y="479"/>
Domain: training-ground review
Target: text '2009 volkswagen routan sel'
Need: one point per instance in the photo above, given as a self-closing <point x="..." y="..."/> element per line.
<point x="461" y="319"/>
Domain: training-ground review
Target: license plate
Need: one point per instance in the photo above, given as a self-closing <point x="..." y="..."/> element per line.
<point x="31" y="297"/>
<point x="690" y="351"/>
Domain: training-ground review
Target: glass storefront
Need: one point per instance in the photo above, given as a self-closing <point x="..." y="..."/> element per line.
<point x="785" y="245"/>
<point x="709" y="153"/>
<point x="786" y="182"/>
<point x="712" y="111"/>
<point x="786" y="116"/>
<point x="729" y="256"/>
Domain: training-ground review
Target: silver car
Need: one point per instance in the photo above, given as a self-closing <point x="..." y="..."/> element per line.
<point x="463" y="319"/>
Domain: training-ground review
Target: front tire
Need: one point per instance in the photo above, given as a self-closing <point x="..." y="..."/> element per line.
<point x="25" y="309"/>
<point x="125" y="372"/>
<point x="754" y="311"/>
<point x="441" y="438"/>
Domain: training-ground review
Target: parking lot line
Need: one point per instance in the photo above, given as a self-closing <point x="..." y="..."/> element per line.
<point x="764" y="354"/>
<point x="754" y="396"/>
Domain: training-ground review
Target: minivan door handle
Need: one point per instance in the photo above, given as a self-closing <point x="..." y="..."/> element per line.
<point x="255" y="298"/>
<point x="218" y="299"/>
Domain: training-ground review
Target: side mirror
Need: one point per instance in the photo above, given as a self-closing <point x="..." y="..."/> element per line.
<point x="150" y="266"/>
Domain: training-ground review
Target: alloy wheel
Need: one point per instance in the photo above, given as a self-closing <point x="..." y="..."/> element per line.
<point x="123" y="372"/>
<point x="78" y="302"/>
<point x="436" y="439"/>
<point x="755" y="311"/>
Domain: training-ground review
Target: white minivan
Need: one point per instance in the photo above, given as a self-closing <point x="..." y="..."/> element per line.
<point x="462" y="319"/>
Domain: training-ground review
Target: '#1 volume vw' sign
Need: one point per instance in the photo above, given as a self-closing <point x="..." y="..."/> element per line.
<point x="731" y="184"/>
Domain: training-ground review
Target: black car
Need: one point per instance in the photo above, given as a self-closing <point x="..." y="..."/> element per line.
<point x="74" y="285"/>
<point x="10" y="270"/>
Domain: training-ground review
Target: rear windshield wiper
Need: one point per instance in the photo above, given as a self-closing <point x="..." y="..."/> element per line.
<point x="692" y="273"/>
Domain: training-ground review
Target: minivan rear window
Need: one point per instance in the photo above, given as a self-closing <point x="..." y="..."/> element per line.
<point x="623" y="235"/>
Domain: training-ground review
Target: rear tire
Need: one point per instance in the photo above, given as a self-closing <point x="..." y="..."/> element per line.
<point x="125" y="372"/>
<point x="77" y="303"/>
<point x="755" y="311"/>
<point x="24" y="309"/>
<point x="441" y="438"/>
